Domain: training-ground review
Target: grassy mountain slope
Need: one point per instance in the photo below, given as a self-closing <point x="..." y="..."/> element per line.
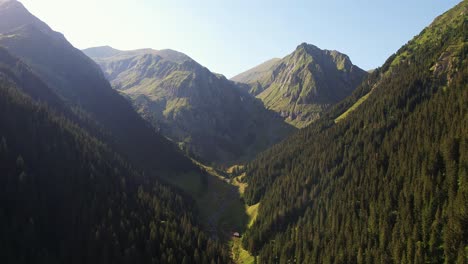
<point x="257" y="76"/>
<point x="303" y="84"/>
<point x="205" y="113"/>
<point x="78" y="81"/>
<point x="386" y="184"/>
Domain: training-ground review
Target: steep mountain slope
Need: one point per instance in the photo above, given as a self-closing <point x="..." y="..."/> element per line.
<point x="204" y="112"/>
<point x="14" y="70"/>
<point x="303" y="84"/>
<point x="257" y="76"/>
<point x="13" y="16"/>
<point x="65" y="197"/>
<point x="386" y="184"/>
<point x="78" y="81"/>
<point x="17" y="72"/>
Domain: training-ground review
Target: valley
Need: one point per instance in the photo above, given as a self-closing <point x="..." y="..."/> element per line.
<point x="219" y="199"/>
<point x="147" y="156"/>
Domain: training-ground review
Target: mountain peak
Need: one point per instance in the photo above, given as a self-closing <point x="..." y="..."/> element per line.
<point x="309" y="48"/>
<point x="107" y="52"/>
<point x="305" y="45"/>
<point x="107" y="47"/>
<point x="341" y="60"/>
<point x="324" y="77"/>
<point x="101" y="52"/>
<point x="173" y="55"/>
<point x="14" y="15"/>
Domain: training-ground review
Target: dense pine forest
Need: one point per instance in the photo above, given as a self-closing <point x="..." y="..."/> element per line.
<point x="388" y="182"/>
<point x="67" y="198"/>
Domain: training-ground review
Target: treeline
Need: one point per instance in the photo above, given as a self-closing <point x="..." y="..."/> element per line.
<point x="65" y="197"/>
<point x="389" y="183"/>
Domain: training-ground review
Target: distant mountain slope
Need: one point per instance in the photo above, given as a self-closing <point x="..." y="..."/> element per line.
<point x="388" y="183"/>
<point x="303" y="84"/>
<point x="258" y="75"/>
<point x="65" y="197"/>
<point x="101" y="52"/>
<point x="204" y="112"/>
<point x="79" y="82"/>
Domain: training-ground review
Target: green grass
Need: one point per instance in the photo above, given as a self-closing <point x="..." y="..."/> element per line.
<point x="352" y="108"/>
<point x="212" y="171"/>
<point x="241" y="185"/>
<point x="401" y="57"/>
<point x="220" y="207"/>
<point x="174" y="106"/>
<point x="261" y="73"/>
<point x="239" y="254"/>
<point x="252" y="212"/>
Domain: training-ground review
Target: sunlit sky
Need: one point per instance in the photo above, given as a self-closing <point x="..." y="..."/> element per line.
<point x="230" y="37"/>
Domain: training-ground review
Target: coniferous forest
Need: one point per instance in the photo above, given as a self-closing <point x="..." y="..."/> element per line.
<point x="67" y="198"/>
<point x="389" y="183"/>
<point x="86" y="176"/>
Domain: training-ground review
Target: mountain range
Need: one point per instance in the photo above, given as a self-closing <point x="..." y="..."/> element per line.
<point x="194" y="107"/>
<point x="111" y="156"/>
<point x="80" y="83"/>
<point x="206" y="114"/>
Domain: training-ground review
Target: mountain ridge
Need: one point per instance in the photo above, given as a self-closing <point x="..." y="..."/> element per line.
<point x="193" y="106"/>
<point x="302" y="85"/>
<point x="15" y="15"/>
<point x="80" y="83"/>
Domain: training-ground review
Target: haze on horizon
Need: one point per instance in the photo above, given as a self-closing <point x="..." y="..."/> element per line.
<point x="230" y="38"/>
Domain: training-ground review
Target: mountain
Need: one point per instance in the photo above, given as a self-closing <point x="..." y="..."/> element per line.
<point x="79" y="82"/>
<point x="81" y="172"/>
<point x="259" y="74"/>
<point x="65" y="197"/>
<point x="15" y="71"/>
<point x="204" y="112"/>
<point x="304" y="84"/>
<point x="101" y="52"/>
<point x="13" y="15"/>
<point x="381" y="177"/>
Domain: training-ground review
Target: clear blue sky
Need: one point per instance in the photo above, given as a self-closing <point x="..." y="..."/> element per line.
<point x="229" y="37"/>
